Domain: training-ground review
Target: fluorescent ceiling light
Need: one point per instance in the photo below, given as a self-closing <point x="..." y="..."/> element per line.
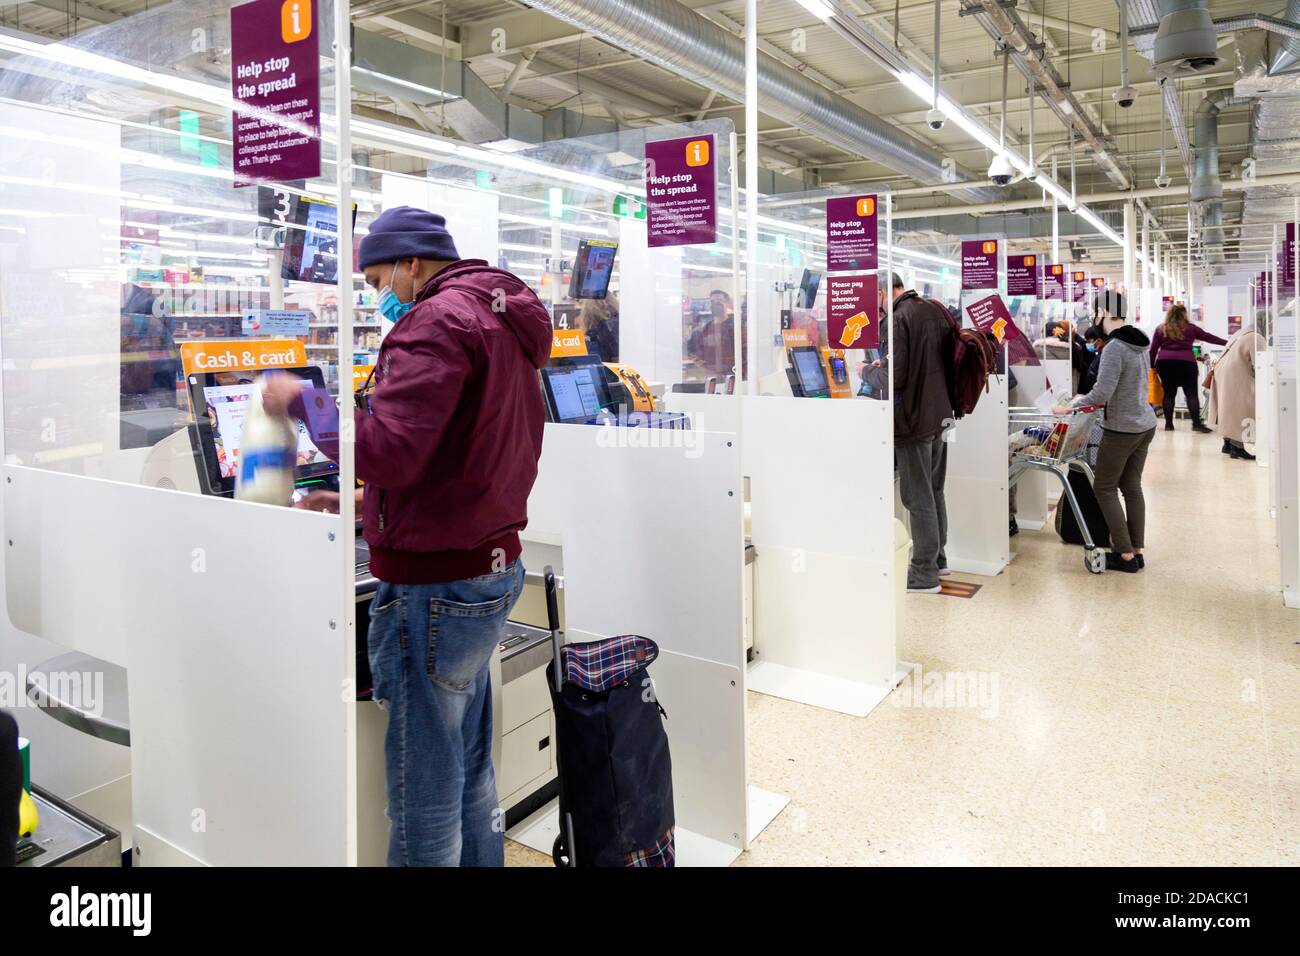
<point x="818" y="8"/>
<point x="370" y="133"/>
<point x="398" y="81"/>
<point x="507" y="145"/>
<point x="985" y="138"/>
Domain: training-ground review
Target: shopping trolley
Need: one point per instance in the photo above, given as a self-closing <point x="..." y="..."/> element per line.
<point x="1056" y="444"/>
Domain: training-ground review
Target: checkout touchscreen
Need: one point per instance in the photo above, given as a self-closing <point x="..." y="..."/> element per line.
<point x="593" y="269"/>
<point x="811" y="372"/>
<point x="576" y="392"/>
<point x="220" y="401"/>
<point x="312" y="243"/>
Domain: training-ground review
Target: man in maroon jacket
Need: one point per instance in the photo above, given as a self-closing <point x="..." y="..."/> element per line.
<point x="447" y="451"/>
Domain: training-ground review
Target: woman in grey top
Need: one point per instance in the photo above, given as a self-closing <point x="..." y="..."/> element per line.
<point x="1128" y="425"/>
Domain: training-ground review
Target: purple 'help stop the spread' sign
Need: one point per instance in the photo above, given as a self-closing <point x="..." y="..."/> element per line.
<point x="851" y="234"/>
<point x="274" y="74"/>
<point x="681" y="186"/>
<point x="1024" y="274"/>
<point x="979" y="264"/>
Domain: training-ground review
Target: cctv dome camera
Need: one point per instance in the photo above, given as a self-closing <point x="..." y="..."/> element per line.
<point x="1000" y="171"/>
<point x="935" y="119"/>
<point x="1162" y="182"/>
<point x="1125" y="96"/>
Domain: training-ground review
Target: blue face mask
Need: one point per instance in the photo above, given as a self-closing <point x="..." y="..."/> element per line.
<point x="1092" y="347"/>
<point x="390" y="306"/>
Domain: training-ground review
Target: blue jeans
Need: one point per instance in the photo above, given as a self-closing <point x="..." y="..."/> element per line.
<point x="430" y="648"/>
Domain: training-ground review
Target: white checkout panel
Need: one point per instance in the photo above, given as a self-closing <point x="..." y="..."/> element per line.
<point x="200" y="458"/>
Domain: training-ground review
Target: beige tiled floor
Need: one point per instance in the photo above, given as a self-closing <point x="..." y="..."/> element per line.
<point x="1144" y="719"/>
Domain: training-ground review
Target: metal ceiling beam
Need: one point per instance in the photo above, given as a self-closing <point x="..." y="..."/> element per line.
<point x="79" y="10"/>
<point x="515" y="32"/>
<point x="1020" y="205"/>
<point x="1004" y="24"/>
<point x="421" y="29"/>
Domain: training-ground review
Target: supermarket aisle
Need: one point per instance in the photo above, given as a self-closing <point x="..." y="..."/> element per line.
<point x="1147" y="719"/>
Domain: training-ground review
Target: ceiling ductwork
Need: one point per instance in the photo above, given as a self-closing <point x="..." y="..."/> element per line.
<point x="1206" y="184"/>
<point x="1287" y="55"/>
<point x="419" y="80"/>
<point x="1186" y="42"/>
<point x="1144" y="18"/>
<point x="1272" y="77"/>
<point x="678" y="39"/>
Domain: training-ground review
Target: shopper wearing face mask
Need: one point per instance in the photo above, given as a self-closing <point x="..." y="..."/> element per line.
<point x="447" y="448"/>
<point x="1094" y="340"/>
<point x="1128" y="425"/>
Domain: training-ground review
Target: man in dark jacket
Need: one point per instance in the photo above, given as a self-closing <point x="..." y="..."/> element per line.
<point x="921" y="353"/>
<point x="447" y="449"/>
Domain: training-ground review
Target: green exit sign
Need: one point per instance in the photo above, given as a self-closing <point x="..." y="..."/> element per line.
<point x="629" y="207"/>
<point x="188" y="121"/>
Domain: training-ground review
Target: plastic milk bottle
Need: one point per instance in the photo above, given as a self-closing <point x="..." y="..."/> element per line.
<point x="268" y="451"/>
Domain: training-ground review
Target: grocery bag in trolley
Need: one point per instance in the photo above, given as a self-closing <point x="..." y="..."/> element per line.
<point x="612" y="759"/>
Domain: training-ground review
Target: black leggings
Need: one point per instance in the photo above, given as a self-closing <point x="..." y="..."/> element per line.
<point x="1175" y="374"/>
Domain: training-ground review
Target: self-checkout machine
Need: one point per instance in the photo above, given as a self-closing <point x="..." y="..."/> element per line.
<point x="204" y="457"/>
<point x="668" y="481"/>
<point x="1286" y="332"/>
<point x="1039" y="387"/>
<point x="224" y="616"/>
<point x="977" y="491"/>
<point x="818" y="470"/>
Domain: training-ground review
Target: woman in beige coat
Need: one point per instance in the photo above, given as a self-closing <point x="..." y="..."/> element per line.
<point x="1232" y="393"/>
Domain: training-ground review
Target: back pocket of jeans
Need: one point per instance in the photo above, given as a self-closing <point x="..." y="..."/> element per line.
<point x="462" y="637"/>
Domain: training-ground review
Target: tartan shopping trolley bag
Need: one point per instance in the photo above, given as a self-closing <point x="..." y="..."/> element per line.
<point x="615" y="773"/>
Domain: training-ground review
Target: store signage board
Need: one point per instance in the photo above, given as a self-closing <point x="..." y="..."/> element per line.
<point x="979" y="264"/>
<point x="568" y="343"/>
<point x="1078" y="286"/>
<point x="1284" y="338"/>
<point x="1234" y="324"/>
<point x="990" y="315"/>
<point x="1098" y="283"/>
<point x="1023" y="272"/>
<point x="276" y="322"/>
<point x="1288" y="254"/>
<point x="1054" y="283"/>
<point x="681" y="185"/>
<point x="241" y="355"/>
<point x="852" y="234"/>
<point x="275" y="72"/>
<point x="793" y="338"/>
<point x="851" y="306"/>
